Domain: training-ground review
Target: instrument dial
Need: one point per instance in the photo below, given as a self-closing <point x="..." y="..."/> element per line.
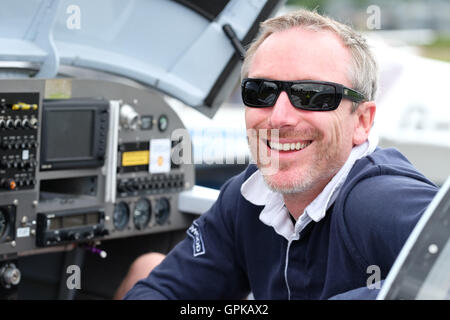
<point x="163" y="123"/>
<point x="162" y="210"/>
<point x="121" y="215"/>
<point x="142" y="213"/>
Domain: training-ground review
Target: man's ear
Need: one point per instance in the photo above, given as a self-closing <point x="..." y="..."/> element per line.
<point x="364" y="117"/>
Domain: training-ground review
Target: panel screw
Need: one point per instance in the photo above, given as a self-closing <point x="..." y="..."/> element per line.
<point x="433" y="249"/>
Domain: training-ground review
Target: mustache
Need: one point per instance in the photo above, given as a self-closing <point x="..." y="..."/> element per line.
<point x="302" y="134"/>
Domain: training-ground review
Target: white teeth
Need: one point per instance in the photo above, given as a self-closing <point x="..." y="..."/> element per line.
<point x="288" y="146"/>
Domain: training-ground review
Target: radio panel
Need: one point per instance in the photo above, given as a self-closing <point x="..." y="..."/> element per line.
<point x="63" y="227"/>
<point x="94" y="166"/>
<point x="18" y="145"/>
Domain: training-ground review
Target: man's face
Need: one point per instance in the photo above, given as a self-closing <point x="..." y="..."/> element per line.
<point x="326" y="138"/>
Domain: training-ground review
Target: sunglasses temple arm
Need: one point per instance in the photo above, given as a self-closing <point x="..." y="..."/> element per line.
<point x="353" y="95"/>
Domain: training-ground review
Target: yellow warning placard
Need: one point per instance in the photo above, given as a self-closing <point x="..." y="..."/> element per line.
<point x="135" y="158"/>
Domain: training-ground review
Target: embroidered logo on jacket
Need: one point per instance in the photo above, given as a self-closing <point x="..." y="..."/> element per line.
<point x="195" y="234"/>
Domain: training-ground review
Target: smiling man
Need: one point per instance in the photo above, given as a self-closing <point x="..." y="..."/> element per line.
<point x="312" y="144"/>
<point x="332" y="206"/>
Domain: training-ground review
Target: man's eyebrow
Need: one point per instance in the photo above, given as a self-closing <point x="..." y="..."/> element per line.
<point x="307" y="77"/>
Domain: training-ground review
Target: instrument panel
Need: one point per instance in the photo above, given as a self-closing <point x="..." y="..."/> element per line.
<point x="87" y="160"/>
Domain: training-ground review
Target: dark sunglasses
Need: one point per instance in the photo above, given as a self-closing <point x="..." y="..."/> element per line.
<point x="303" y="94"/>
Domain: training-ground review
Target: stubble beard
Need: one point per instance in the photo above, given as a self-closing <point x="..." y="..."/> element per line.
<point x="323" y="166"/>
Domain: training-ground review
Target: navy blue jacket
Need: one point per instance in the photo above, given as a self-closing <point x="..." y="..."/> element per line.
<point x="229" y="252"/>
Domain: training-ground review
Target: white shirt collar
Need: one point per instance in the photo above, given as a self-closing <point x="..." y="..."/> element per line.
<point x="275" y="213"/>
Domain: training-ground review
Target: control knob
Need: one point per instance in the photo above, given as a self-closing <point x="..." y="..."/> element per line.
<point x="33" y="123"/>
<point x="9" y="275"/>
<point x="9" y="124"/>
<point x="129" y="118"/>
<point x="8" y="184"/>
<point x="5" y="164"/>
<point x="73" y="235"/>
<point x="17" y="123"/>
<point x="26" y="123"/>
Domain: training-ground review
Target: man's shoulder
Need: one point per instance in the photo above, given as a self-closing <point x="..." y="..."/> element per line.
<point x="381" y="202"/>
<point x="385" y="181"/>
<point x="386" y="193"/>
<point x="382" y="172"/>
<point x="387" y="162"/>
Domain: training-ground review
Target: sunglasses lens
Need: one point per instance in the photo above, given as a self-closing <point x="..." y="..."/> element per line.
<point x="259" y="93"/>
<point x="313" y="96"/>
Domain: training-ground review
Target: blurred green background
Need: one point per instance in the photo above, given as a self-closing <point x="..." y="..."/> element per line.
<point x="429" y="20"/>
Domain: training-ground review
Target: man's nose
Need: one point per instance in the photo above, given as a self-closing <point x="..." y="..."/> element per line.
<point x="283" y="114"/>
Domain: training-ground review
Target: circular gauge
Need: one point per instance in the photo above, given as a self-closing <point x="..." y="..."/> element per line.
<point x="121" y="215"/>
<point x="142" y="213"/>
<point x="162" y="210"/>
<point x="163" y="123"/>
<point x="3" y="224"/>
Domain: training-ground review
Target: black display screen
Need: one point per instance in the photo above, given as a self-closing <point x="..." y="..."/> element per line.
<point x="73" y="221"/>
<point x="74" y="133"/>
<point x="69" y="134"/>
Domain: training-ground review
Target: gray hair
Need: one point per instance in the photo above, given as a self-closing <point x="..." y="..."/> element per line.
<point x="363" y="72"/>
